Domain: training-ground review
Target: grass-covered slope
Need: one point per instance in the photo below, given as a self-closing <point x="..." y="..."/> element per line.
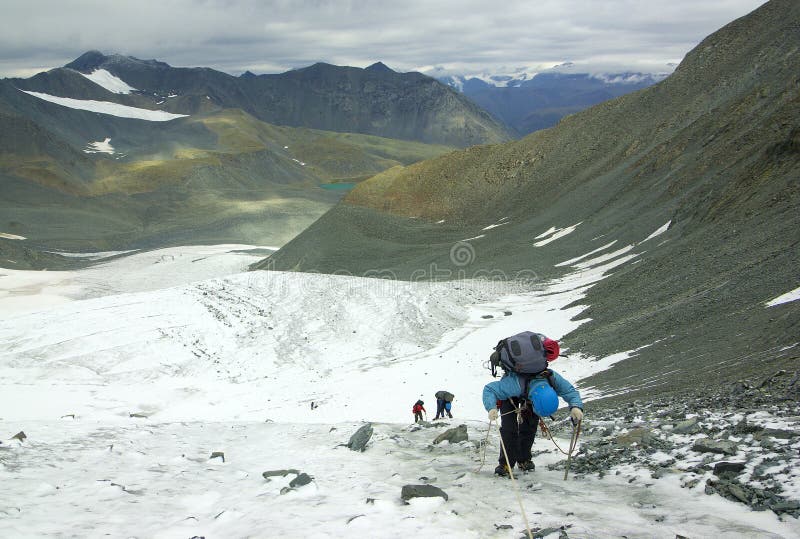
<point x="218" y="177"/>
<point x="714" y="150"/>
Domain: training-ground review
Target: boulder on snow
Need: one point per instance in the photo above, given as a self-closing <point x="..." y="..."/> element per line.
<point x="299" y="481"/>
<point x="706" y="445"/>
<point x="217" y="455"/>
<point x="19" y="436"/>
<point x="690" y="426"/>
<point x="728" y="468"/>
<point x="639" y="436"/>
<point x="775" y="433"/>
<point x="458" y="434"/>
<point x="358" y="441"/>
<point x="276" y="473"/>
<point x="421" y="491"/>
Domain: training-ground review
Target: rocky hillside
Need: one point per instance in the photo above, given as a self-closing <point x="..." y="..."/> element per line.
<point x="708" y="158"/>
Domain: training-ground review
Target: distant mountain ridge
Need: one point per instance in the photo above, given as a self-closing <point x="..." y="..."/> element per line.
<point x="375" y="100"/>
<point x="537" y="101"/>
<point x="686" y="192"/>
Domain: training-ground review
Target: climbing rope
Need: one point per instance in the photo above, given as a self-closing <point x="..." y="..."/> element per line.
<point x="517" y="410"/>
<point x="485" y="443"/>
<point x="516" y="488"/>
<point x="573" y="442"/>
<point x="547" y="434"/>
<point x="576" y="431"/>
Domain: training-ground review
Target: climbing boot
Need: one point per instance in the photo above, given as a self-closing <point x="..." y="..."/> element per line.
<point x="502" y="470"/>
<point x="526" y="466"/>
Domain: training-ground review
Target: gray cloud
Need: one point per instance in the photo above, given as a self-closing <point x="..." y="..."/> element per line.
<point x="274" y="36"/>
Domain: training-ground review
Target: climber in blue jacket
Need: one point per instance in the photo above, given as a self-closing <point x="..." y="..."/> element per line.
<point x="509" y="395"/>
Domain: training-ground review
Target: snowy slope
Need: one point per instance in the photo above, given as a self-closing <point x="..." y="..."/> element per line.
<point x="125" y="395"/>
<point x="174" y="354"/>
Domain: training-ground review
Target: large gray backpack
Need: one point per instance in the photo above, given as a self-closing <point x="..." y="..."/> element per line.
<point x="522" y="353"/>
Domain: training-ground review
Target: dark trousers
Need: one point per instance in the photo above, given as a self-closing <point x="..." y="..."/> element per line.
<point x="439" y="408"/>
<point x="517" y="437"/>
<point x="417" y="417"/>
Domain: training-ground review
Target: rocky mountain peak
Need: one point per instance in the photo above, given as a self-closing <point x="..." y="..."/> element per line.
<point x="380" y="67"/>
<point x="91" y="60"/>
<point x="88" y="61"/>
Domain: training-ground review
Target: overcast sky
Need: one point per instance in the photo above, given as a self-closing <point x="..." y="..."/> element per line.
<point x="408" y="35"/>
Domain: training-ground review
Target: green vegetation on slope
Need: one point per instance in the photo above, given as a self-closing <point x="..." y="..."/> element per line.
<point x="219" y="177"/>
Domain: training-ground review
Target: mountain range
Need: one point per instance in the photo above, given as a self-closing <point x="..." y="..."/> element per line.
<point x="373" y="101"/>
<point x="531" y="102"/>
<point x="689" y="188"/>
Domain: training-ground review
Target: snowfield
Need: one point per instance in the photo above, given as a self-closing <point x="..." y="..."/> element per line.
<point x="134" y="372"/>
<point x="109" y="81"/>
<point x="107" y="107"/>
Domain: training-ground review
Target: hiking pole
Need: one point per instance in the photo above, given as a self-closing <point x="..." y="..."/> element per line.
<point x="575" y="433"/>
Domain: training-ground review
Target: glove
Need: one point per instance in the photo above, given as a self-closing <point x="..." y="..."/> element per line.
<point x="493" y="414"/>
<point x="576" y="414"/>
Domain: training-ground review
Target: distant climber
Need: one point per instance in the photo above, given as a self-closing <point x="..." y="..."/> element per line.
<point x="444" y="403"/>
<point x="527" y="391"/>
<point x="418" y="409"/>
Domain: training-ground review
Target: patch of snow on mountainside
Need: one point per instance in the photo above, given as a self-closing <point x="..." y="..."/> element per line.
<point x="107" y="107"/>
<point x="110" y="82"/>
<point x="554" y="234"/>
<point x="579" y="258"/>
<point x="100" y="147"/>
<point x="663" y="228"/>
<point x="792" y="295"/>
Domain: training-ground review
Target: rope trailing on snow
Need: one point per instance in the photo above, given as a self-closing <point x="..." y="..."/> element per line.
<point x="516" y="488"/>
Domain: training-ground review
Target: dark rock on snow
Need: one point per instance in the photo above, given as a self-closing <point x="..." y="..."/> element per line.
<point x="421" y="491"/>
<point x="728" y="468"/>
<point x="358" y="441"/>
<point x="279" y="473"/>
<point x="300" y="480"/>
<point x="690" y="426"/>
<point x="706" y="445"/>
<point x="458" y="434"/>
